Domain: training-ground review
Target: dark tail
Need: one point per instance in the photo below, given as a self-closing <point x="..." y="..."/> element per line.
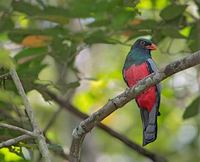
<point x="149" y="120"/>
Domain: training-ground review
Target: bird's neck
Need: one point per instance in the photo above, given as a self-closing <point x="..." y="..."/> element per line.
<point x="137" y="56"/>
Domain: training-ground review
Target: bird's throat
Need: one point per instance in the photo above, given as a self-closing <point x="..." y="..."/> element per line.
<point x="137" y="57"/>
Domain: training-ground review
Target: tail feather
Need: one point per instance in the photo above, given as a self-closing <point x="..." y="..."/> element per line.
<point x="150" y="134"/>
<point x="145" y="117"/>
<point x="149" y="120"/>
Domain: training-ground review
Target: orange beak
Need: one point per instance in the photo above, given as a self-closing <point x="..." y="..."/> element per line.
<point x="151" y="47"/>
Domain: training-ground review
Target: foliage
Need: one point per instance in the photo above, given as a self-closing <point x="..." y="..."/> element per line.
<point x="77" y="47"/>
<point x="192" y="109"/>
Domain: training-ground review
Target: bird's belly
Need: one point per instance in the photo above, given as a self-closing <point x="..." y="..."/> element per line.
<point x="147" y="99"/>
<point x="133" y="74"/>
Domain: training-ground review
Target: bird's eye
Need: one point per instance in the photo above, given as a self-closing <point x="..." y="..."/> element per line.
<point x="142" y="43"/>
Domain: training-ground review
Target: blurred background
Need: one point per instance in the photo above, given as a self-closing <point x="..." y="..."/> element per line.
<point x="76" y="49"/>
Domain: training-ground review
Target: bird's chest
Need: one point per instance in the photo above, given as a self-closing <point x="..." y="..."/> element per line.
<point x="135" y="73"/>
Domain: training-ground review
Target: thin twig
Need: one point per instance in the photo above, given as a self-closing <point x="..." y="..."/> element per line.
<point x="13" y="141"/>
<point x="40" y="138"/>
<point x="57" y="149"/>
<point x="12" y="127"/>
<point x="24" y="120"/>
<point x="69" y="107"/>
<point x="4" y="75"/>
<point x="112" y="105"/>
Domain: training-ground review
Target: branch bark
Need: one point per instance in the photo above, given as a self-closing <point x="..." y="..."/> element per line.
<point x="40" y="138"/>
<point x="57" y="149"/>
<point x="134" y="146"/>
<point x="119" y="101"/>
<point x="14" y="140"/>
<point x="12" y="127"/>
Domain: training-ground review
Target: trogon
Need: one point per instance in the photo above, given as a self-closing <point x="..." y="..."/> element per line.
<point x="137" y="66"/>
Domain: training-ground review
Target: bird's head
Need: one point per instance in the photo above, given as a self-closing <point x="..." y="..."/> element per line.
<point x="144" y="44"/>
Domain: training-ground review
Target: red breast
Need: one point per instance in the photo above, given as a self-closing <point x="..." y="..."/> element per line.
<point x="135" y="73"/>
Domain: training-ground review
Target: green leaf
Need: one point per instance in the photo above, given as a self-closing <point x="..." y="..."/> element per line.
<point x="72" y="85"/>
<point x="172" y="11"/>
<point x="197" y="2"/>
<point x="98" y="23"/>
<point x="121" y="18"/>
<point x="29" y="69"/>
<point x="53" y="14"/>
<point x="194" y="41"/>
<point x="99" y="36"/>
<point x="194" y="45"/>
<point x="6" y="24"/>
<point x="131" y="3"/>
<point x="193" y="31"/>
<point x="80" y="9"/>
<point x="10" y="97"/>
<point x="5" y="5"/>
<point x="2" y="157"/>
<point x="193" y="109"/>
<point x="55" y="147"/>
<point x="147" y="24"/>
<point x="172" y="32"/>
<point x="25" y="7"/>
<point x="61" y="19"/>
<point x="5" y="59"/>
<point x="136" y="34"/>
<point x="98" y="9"/>
<point x="17" y="35"/>
<point x="42" y="90"/>
<point x="157" y="36"/>
<point x="62" y="50"/>
<point x="26" y="54"/>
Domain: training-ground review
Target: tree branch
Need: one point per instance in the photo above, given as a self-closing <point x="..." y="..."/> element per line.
<point x="14" y="140"/>
<point x="4" y="75"/>
<point x="12" y="127"/>
<point x="40" y="138"/>
<point x="122" y="99"/>
<point x="69" y="107"/>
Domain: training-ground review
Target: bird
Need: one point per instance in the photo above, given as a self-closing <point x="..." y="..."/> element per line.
<point x="138" y="65"/>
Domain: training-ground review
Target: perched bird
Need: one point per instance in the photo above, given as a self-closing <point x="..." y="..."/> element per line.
<point x="138" y="65"/>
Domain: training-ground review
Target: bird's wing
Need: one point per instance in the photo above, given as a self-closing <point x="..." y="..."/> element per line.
<point x="153" y="69"/>
<point x="123" y="74"/>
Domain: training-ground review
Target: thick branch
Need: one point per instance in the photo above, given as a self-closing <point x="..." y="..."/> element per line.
<point x="122" y="99"/>
<point x="12" y="127"/>
<point x="40" y="138"/>
<point x="69" y="107"/>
